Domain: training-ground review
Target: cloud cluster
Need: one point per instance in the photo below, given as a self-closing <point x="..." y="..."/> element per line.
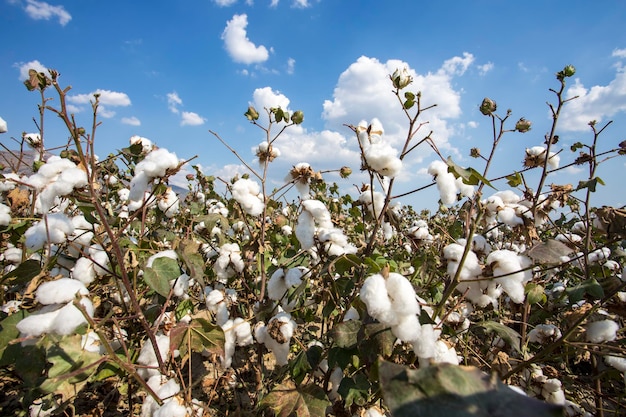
<point x="187" y="118"/>
<point x="237" y="44"/>
<point x="40" y="10"/>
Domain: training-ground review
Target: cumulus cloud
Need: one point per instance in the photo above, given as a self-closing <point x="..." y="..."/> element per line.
<point x="225" y="3"/>
<point x="485" y="68"/>
<point x="237" y="44"/>
<point x="40" y="10"/>
<point x="594" y="103"/>
<point x="189" y="118"/>
<point x="619" y="53"/>
<point x="131" y="121"/>
<point x="106" y="100"/>
<point x="266" y="97"/>
<point x="291" y="65"/>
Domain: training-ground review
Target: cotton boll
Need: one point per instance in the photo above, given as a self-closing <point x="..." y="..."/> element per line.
<point x="180" y="285"/>
<point x="445" y="353"/>
<point x="276" y="336"/>
<point x="157" y="162"/>
<point x="446" y="182"/>
<point x="5" y="215"/>
<point x="508" y="263"/>
<point x="382" y="158"/>
<point x="171" y="408"/>
<point x="60" y="291"/>
<point x="373" y="412"/>
<point x="508" y="216"/>
<point x="169" y="203"/>
<point x="169" y="253"/>
<point x="228" y="262"/>
<point x="617" y="362"/>
<point x="147" y="355"/>
<point x="424" y="347"/>
<point x="3" y="126"/>
<point x="305" y="230"/>
<point x="601" y="331"/>
<point x="466" y="190"/>
<point x="146" y="144"/>
<point x="401" y="291"/>
<point x="373" y="201"/>
<point x="70" y="317"/>
<point x="38" y="323"/>
<point x="374" y="294"/>
<point x="407" y="329"/>
<point x="248" y="195"/>
<point x="138" y="186"/>
<point x="320" y="213"/>
<point x="276" y="286"/>
<point x="544" y="333"/>
<point x="56" y="227"/>
<point x="84" y="271"/>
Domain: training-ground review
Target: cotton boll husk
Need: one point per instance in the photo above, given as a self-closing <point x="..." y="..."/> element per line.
<point x="374" y="294"/>
<point x="407" y="329"/>
<point x="601" y="331"/>
<point x="60" y="291"/>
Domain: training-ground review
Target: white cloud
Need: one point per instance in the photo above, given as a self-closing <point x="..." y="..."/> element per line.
<point x="619" y="53"/>
<point x="266" y="98"/>
<point x="302" y="4"/>
<point x="40" y="10"/>
<point x="274" y="3"/>
<point x="24" y="67"/>
<point x="225" y="3"/>
<point x="106" y="97"/>
<point x="595" y="103"/>
<point x="291" y="65"/>
<point x="189" y="118"/>
<point x="457" y="65"/>
<point x="173" y="101"/>
<point x="237" y="44"/>
<point x="485" y="68"/>
<point x="131" y="121"/>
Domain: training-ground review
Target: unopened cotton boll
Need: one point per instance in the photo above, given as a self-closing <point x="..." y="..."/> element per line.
<point x="601" y="331"/>
<point x="61" y="291"/>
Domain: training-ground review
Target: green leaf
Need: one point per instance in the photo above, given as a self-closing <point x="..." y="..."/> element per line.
<point x="197" y="335"/>
<point x="591" y="287"/>
<point x="24" y="272"/>
<point x="469" y="175"/>
<point x="158" y="276"/>
<point x="514" y="180"/>
<point x="346" y="334"/>
<point x="192" y="259"/>
<point x="507" y="334"/>
<point x="287" y="400"/>
<point x="299" y="367"/>
<point x="446" y="390"/>
<point x="591" y="184"/>
<point x="355" y="390"/>
<point x="8" y="333"/>
<point x="535" y="293"/>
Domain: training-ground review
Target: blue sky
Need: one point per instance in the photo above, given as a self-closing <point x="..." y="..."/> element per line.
<point x="173" y="70"/>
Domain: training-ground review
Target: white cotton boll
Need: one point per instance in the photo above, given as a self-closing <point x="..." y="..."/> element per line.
<point x="38" y="323"/>
<point x="401" y="291"/>
<point x="123" y="194"/>
<point x="509" y="263"/>
<point x="544" y="333"/>
<point x="157" y="162"/>
<point x="276" y="336"/>
<point x="424" y="346"/>
<point x="599" y="255"/>
<point x="374" y="294"/>
<point x="373" y="412"/>
<point x="147" y="355"/>
<point x="60" y="291"/>
<point x="319" y="211"/>
<point x="276" y="286"/>
<point x="445" y="353"/>
<point x="59" y="226"/>
<point x="407" y="329"/>
<point x="171" y="408"/>
<point x="351" y="314"/>
<point x="335" y="242"/>
<point x="229" y="344"/>
<point x="169" y="203"/>
<point x="617" y="362"/>
<point x="228" y="262"/>
<point x="243" y="332"/>
<point x="446" y="182"/>
<point x="248" y="194"/>
<point x="508" y="216"/>
<point x="138" y="186"/>
<point x="471" y="267"/>
<point x="90" y="342"/>
<point x="5" y="215"/>
<point x="286" y="230"/>
<point x="601" y="331"/>
<point x="180" y="285"/>
<point x="382" y="158"/>
<point x="84" y="271"/>
<point x="70" y="317"/>
<point x="373" y="201"/>
<point x="305" y="230"/>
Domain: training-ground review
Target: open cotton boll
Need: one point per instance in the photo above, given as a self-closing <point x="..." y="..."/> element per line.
<point x="147" y="356"/>
<point x="276" y="336"/>
<point x="335" y="242"/>
<point x="383" y="159"/>
<point x="157" y="162"/>
<point x="172" y="407"/>
<point x="180" y="285"/>
<point x="169" y="203"/>
<point x="424" y="346"/>
<point x="61" y="291"/>
<point x="509" y="263"/>
<point x="146" y="144"/>
<point x="248" y="194"/>
<point x="5" y="215"/>
<point x="168" y="253"/>
<point x="217" y="304"/>
<point x="407" y="329"/>
<point x="276" y="286"/>
<point x="544" y="333"/>
<point x="446" y="182"/>
<point x="3" y="126"/>
<point x="319" y="212"/>
<point x="228" y="262"/>
<point x="64" y="184"/>
<point x="601" y="331"/>
<point x="59" y="226"/>
<point x="444" y="353"/>
<point x="305" y="230"/>
<point x="70" y="317"/>
<point x="401" y="291"/>
<point x="617" y="362"/>
<point x="373" y="201"/>
<point x="374" y="294"/>
<point x="84" y="271"/>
